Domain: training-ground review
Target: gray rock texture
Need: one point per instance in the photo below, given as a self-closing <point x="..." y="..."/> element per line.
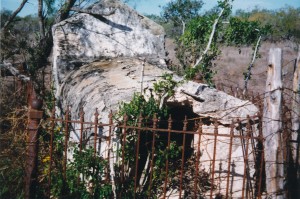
<point x="98" y="59"/>
<point x="209" y="102"/>
<point x="107" y="29"/>
<point x="104" y="84"/>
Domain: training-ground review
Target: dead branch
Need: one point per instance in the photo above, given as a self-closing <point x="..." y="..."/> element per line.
<point x="210" y="38"/>
<point x="196" y="97"/>
<point x="15" y="72"/>
<point x="251" y="66"/>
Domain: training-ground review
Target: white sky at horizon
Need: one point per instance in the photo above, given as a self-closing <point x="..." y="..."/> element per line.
<point x="153" y="6"/>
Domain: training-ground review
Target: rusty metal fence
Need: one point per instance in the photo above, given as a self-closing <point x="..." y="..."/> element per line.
<point x="164" y="158"/>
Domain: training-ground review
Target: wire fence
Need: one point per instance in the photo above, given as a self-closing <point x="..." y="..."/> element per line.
<point x="211" y="159"/>
<point x="163" y="157"/>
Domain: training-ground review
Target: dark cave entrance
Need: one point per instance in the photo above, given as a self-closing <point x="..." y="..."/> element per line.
<point x="178" y="114"/>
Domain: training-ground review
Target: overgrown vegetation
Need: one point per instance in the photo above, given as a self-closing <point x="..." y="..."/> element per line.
<point x="199" y="45"/>
<point x="26" y="42"/>
<point x="141" y="112"/>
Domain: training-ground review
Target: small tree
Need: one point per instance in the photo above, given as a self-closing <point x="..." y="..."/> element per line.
<point x="180" y="12"/>
<point x="199" y="45"/>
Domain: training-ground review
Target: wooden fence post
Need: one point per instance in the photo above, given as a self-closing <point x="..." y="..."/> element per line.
<point x="34" y="116"/>
<point x="296" y="120"/>
<point x="272" y="126"/>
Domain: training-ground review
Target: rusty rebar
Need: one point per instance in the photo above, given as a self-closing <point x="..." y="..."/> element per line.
<point x="168" y="150"/>
<point x="67" y="115"/>
<point x="81" y="128"/>
<point x="51" y="150"/>
<point x="95" y="131"/>
<point x="31" y="164"/>
<point x="229" y="158"/>
<point x="123" y="149"/>
<point x="110" y="118"/>
<point x="137" y="154"/>
<point x="185" y="122"/>
<point x="197" y="159"/>
<point x="262" y="155"/>
<point x="246" y="163"/>
<point x="155" y="120"/>
<point x="214" y="156"/>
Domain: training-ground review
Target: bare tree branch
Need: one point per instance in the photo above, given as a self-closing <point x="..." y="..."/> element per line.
<point x="210" y="38"/>
<point x="15" y="72"/>
<point x="41" y="19"/>
<point x="250" y="66"/>
<point x="11" y="18"/>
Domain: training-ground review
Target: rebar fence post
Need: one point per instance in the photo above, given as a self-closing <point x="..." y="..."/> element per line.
<point x="214" y="157"/>
<point x="34" y="116"/>
<point x="167" y="160"/>
<point x="155" y="120"/>
<point x="51" y="150"/>
<point x="199" y="133"/>
<point x="185" y="122"/>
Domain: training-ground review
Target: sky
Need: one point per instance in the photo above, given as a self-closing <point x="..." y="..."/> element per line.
<point x="154" y="6"/>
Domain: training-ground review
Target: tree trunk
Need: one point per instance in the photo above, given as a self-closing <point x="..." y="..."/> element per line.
<point x="14" y="15"/>
<point x="272" y="126"/>
<point x="41" y="20"/>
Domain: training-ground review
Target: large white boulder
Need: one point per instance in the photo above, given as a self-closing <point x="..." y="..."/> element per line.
<point x="109" y="28"/>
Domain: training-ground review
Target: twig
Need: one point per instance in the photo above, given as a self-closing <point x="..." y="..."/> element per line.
<point x="251" y="66"/>
<point x="210" y="38"/>
<point x="193" y="96"/>
<point x="162" y="100"/>
<point x="15" y="71"/>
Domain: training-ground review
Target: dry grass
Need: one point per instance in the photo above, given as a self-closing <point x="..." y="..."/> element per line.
<point x="231" y="64"/>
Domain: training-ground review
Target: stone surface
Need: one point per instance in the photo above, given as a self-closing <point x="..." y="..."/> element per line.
<point x="111" y="29"/>
<point x="210" y="102"/>
<point x="105" y="84"/>
<point x="97" y="64"/>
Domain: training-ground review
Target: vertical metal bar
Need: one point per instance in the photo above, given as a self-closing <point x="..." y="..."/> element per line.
<point x="137" y="154"/>
<point x="31" y="165"/>
<point x="123" y="149"/>
<point x="67" y="115"/>
<point x="81" y="128"/>
<point x="243" y="149"/>
<point x="220" y="171"/>
<point x="51" y="149"/>
<point x="152" y="153"/>
<point x="261" y="139"/>
<point x="232" y="178"/>
<point x="80" y="139"/>
<point x="250" y="142"/>
<point x="95" y="131"/>
<point x="246" y="160"/>
<point x="197" y="159"/>
<point x="108" y="145"/>
<point x="214" y="156"/>
<point x="185" y="122"/>
<point x="229" y="158"/>
<point x="167" y="161"/>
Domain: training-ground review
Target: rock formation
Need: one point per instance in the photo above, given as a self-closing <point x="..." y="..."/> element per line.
<point x="98" y="57"/>
<point x="107" y="29"/>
